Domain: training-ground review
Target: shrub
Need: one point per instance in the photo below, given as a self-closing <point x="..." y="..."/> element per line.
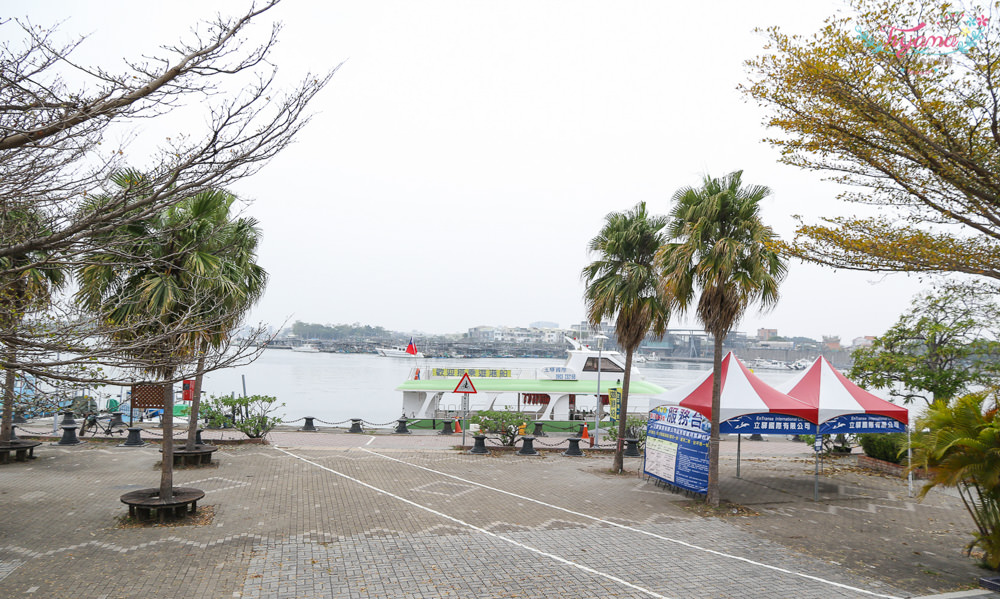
<point x="884" y="446"/>
<point x="505" y="424"/>
<point x="635" y="428"/>
<point x="250" y="415"/>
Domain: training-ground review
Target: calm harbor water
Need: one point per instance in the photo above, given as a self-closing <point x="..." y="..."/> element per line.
<point x="336" y="387"/>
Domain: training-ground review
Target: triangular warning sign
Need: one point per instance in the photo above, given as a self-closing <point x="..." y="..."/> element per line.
<point x="465" y="385"/>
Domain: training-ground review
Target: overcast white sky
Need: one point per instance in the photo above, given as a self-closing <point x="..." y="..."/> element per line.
<point x="467" y="151"/>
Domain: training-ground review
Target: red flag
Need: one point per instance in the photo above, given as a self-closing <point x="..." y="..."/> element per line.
<point x="411" y="349"/>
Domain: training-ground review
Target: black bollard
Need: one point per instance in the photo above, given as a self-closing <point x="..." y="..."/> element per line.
<point x="69" y="435"/>
<point x="528" y="448"/>
<point x="355" y="426"/>
<point x="197" y="437"/>
<point x="632" y="448"/>
<point x="401" y="427"/>
<point x="309" y="426"/>
<point x="446" y="428"/>
<point x="538" y="429"/>
<point x="479" y="448"/>
<point x="13" y="433"/>
<point x="756" y="437"/>
<point x="67" y="419"/>
<point x="579" y="431"/>
<point x="574" y="448"/>
<point x="116" y="420"/>
<point x="133" y="440"/>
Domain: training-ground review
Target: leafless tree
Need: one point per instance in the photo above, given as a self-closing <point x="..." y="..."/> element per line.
<point x="58" y="124"/>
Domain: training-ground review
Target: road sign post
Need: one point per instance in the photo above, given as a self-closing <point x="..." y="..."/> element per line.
<point x="465" y="387"/>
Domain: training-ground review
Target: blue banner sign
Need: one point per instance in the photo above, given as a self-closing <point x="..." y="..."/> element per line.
<point x="677" y="447"/>
<point x="861" y="423"/>
<point x="766" y="424"/>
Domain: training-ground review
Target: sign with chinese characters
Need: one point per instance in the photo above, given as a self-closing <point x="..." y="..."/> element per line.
<point x="615" y="403"/>
<point x="557" y="373"/>
<point x="677" y="447"/>
<point x="861" y="423"/>
<point x="766" y="424"/>
<point x="481" y="373"/>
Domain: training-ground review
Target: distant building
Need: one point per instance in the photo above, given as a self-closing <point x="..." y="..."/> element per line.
<point x="765" y="334"/>
<point x="866" y="341"/>
<point x="831" y="342"/>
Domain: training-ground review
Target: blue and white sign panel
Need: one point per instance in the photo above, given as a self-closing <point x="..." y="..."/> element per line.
<point x="766" y="424"/>
<point x="861" y="423"/>
<point x="677" y="447"/>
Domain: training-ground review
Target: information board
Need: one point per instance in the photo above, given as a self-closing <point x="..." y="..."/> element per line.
<point x="677" y="447"/>
<point x="615" y="403"/>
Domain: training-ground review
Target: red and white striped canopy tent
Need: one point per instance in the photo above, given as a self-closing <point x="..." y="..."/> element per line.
<point x="743" y="393"/>
<point x="836" y="397"/>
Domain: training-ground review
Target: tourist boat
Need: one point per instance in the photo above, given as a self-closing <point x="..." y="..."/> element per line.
<point x="398" y="351"/>
<point x="762" y="364"/>
<point x="307" y="348"/>
<point x="548" y="393"/>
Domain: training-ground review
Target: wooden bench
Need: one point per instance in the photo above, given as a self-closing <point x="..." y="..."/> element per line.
<point x="201" y="454"/>
<point x="23" y="450"/>
<point x="143" y="502"/>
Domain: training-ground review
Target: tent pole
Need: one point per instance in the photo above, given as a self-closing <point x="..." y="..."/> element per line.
<point x="909" y="462"/>
<point x="816" y="479"/>
<point x="739" y="438"/>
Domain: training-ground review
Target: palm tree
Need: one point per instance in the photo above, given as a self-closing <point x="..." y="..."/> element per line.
<point x="624" y="284"/>
<point x="238" y="284"/>
<point x="167" y="286"/>
<point x="961" y="449"/>
<point x="26" y="287"/>
<point x="721" y="248"/>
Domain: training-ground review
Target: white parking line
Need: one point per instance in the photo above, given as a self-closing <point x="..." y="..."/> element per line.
<point x="476" y="528"/>
<point x="644" y="532"/>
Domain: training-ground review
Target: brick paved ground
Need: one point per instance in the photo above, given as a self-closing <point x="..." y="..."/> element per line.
<point x="335" y="515"/>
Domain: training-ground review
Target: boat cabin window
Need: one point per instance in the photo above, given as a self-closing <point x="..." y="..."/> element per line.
<point x="606" y="366"/>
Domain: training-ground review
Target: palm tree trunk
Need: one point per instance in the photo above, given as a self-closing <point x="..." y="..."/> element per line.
<point x="712" y="497"/>
<point x="619" y="464"/>
<point x="195" y="403"/>
<point x="8" y="402"/>
<point x="167" y="466"/>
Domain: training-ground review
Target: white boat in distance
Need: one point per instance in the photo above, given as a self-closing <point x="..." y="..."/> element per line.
<point x="547" y="393"/>
<point x="398" y="351"/>
<point x="307" y="348"/>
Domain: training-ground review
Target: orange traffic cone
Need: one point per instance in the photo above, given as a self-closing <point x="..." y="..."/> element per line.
<point x="458" y="426"/>
<point x="586" y="433"/>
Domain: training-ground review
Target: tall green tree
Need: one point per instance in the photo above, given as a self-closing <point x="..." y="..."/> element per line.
<point x="944" y="345"/>
<point x="623" y="284"/>
<point x="228" y="250"/>
<point x="170" y="301"/>
<point x="720" y="250"/>
<point x="960" y="448"/>
<point x="27" y="282"/>
<point x="909" y="120"/>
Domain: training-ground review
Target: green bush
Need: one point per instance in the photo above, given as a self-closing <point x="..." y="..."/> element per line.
<point x="889" y="447"/>
<point x="635" y="428"/>
<point x="505" y="424"/>
<point x="250" y="415"/>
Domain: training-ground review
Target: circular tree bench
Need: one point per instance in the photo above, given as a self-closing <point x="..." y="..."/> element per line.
<point x="143" y="502"/>
<point x="201" y="454"/>
<point x="23" y="450"/>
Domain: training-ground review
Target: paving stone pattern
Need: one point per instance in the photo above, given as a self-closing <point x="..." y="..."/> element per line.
<point x="310" y="527"/>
